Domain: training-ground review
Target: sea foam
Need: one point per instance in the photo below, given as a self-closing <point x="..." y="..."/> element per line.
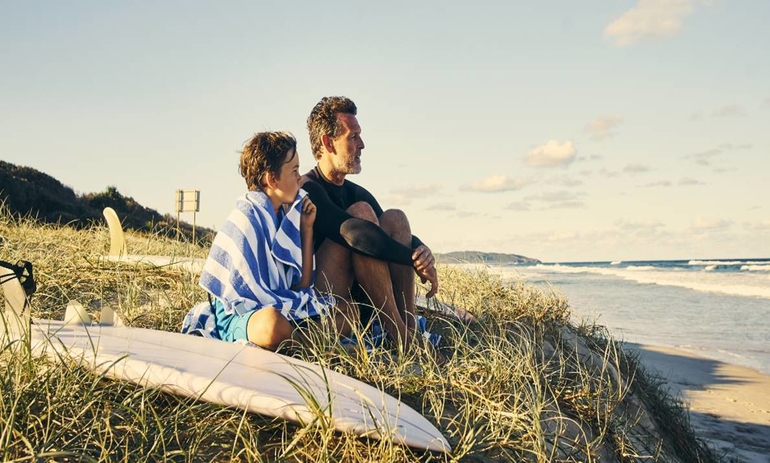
<point x="734" y="283"/>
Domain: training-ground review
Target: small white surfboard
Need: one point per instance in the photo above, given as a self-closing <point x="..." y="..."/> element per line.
<point x="230" y="374"/>
<point x="445" y="309"/>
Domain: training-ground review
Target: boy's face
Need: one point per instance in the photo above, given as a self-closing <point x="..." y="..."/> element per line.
<point x="287" y="183"/>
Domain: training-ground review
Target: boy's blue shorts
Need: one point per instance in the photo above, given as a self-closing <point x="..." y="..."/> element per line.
<point x="233" y="327"/>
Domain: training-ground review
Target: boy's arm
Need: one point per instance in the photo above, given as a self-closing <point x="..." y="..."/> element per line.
<point x="306" y="235"/>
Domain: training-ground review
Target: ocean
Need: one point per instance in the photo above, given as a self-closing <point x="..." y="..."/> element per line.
<point x="719" y="309"/>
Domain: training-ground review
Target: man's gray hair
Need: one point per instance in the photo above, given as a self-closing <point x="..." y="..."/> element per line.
<point x="323" y="120"/>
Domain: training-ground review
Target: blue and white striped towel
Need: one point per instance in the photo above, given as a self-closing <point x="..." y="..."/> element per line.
<point x="255" y="259"/>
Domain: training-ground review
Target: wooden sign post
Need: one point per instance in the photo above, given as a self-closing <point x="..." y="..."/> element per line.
<point x="187" y="201"/>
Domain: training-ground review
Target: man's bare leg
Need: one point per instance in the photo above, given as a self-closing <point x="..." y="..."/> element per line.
<point x="337" y="266"/>
<point x="374" y="276"/>
<point x="334" y="275"/>
<point x="395" y="224"/>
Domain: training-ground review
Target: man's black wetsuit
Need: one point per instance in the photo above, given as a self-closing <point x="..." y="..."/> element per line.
<point x="361" y="236"/>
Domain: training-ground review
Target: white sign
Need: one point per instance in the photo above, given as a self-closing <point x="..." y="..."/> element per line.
<point x="188" y="201"/>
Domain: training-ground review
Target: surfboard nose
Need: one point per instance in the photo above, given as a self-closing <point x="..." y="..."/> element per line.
<point x="14" y="320"/>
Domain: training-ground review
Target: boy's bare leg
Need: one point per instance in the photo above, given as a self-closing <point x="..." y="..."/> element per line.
<point x="267" y="328"/>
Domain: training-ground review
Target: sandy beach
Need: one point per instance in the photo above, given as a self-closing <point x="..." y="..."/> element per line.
<point x="729" y="405"/>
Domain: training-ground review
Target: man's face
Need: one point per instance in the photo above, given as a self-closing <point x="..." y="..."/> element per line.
<point x="348" y="145"/>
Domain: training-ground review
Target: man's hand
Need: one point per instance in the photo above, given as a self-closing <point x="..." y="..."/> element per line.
<point x="423" y="258"/>
<point x="431" y="276"/>
<point x="425" y="267"/>
<point x="307" y="216"/>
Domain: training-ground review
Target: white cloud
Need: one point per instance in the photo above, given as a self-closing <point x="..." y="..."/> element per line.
<point x="518" y="206"/>
<point x="625" y="225"/>
<point x="567" y="205"/>
<point x="730" y="146"/>
<point x="552" y="154"/>
<point x="441" y="207"/>
<point x="564" y="180"/>
<point x="635" y="168"/>
<point x="417" y="191"/>
<point x="497" y="184"/>
<point x="562" y="199"/>
<point x="731" y="110"/>
<point x="767" y="102"/>
<point x="555" y="196"/>
<point x="570" y="182"/>
<point x="705" y="158"/>
<point x="689" y="181"/>
<point x="662" y="183"/>
<point x="704" y="224"/>
<point x="609" y="173"/>
<point x="649" y="19"/>
<point x="757" y="225"/>
<point x="396" y="200"/>
<point x="601" y="127"/>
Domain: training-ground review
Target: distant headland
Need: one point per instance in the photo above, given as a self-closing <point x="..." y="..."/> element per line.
<point x="484" y="257"/>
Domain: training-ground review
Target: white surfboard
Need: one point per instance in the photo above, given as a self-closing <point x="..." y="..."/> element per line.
<point x="118" y="249"/>
<point x="230" y="374"/>
<point x="449" y="310"/>
<point x="191" y="264"/>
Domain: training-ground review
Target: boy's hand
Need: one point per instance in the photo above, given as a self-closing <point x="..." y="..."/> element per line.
<point x="307" y="216"/>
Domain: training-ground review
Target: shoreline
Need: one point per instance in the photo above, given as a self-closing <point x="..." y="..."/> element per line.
<point x="729" y="405"/>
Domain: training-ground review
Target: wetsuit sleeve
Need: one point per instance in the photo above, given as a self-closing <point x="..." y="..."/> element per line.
<point x="358" y="235"/>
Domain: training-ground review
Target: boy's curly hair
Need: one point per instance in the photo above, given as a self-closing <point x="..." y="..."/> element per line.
<point x="264" y="154"/>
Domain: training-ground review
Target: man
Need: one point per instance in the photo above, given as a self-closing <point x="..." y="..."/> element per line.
<point x="361" y="250"/>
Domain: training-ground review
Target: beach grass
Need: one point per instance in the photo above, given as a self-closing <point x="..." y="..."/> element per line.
<point x="523" y="383"/>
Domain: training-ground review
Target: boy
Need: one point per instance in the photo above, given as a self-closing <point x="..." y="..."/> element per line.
<point x="260" y="267"/>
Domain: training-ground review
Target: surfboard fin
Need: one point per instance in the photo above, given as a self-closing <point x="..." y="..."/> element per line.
<point x="110" y="317"/>
<point x="76" y="314"/>
<point x="117" y="239"/>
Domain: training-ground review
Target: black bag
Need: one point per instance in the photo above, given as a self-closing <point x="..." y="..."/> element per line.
<point x="23" y="271"/>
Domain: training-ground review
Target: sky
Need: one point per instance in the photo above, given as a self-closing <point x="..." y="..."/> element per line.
<point x="559" y="130"/>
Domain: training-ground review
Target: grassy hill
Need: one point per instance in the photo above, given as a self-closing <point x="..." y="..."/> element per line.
<point x="522" y="383"/>
<point x="27" y="191"/>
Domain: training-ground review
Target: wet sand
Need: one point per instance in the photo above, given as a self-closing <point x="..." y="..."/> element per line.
<point x="729" y="405"/>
